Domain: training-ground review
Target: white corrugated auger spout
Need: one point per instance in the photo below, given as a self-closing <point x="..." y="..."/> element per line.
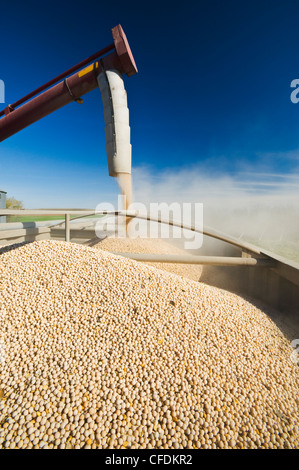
<point x="116" y="116"/>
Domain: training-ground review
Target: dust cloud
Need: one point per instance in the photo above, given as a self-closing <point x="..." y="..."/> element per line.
<point x="253" y="206"/>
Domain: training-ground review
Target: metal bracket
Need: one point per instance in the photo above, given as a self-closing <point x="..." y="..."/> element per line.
<point x="78" y="100"/>
<point x="8" y="109"/>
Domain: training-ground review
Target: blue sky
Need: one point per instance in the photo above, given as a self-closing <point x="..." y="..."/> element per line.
<point x="212" y="95"/>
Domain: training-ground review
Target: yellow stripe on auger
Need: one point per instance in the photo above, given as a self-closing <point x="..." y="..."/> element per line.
<point x="85" y="71"/>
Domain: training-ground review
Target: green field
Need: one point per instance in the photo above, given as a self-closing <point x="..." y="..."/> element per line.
<point x="40" y="218"/>
<point x="28" y="218"/>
